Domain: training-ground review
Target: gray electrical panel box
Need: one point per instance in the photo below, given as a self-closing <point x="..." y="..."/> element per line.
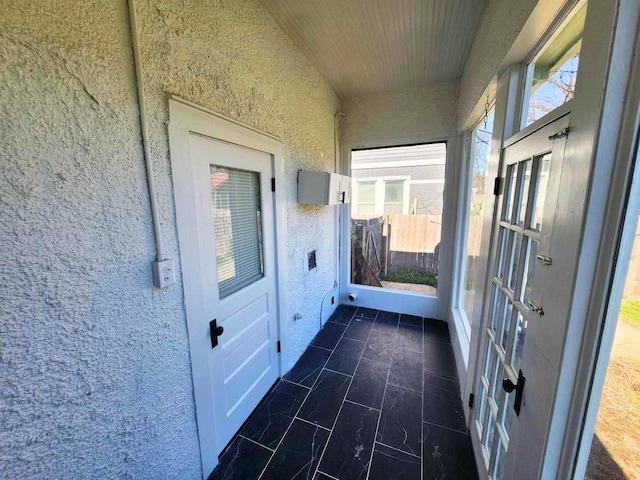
<point x="323" y="188"/>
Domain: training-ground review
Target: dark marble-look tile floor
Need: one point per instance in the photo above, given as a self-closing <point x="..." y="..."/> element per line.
<point x="374" y="397"/>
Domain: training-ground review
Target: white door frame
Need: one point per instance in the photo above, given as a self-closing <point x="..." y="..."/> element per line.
<point x="398" y="300"/>
<point x="186" y="118"/>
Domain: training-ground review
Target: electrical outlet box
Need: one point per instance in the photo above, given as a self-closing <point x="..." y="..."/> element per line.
<point x="323" y="188"/>
<point x="164" y="273"/>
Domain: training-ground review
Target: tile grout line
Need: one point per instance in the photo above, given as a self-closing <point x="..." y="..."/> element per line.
<point x="398" y="450"/>
<point x="362" y="405"/>
<point x="311" y="423"/>
<point x="384" y="394"/>
<point x="326" y="475"/>
<point x="446" y="428"/>
<point x="295" y="383"/>
<point x="302" y="403"/>
<point x="336" y="371"/>
<point x="343" y="401"/>
<point x="257" y="443"/>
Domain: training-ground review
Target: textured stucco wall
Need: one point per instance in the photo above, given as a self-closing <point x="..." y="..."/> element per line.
<point x="95" y="380"/>
<point x="502" y="21"/>
<point x="404" y="117"/>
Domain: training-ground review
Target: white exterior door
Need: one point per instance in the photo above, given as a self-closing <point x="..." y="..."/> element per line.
<point x="525" y="312"/>
<point x="225" y="216"/>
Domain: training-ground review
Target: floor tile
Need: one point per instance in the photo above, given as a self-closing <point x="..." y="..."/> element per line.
<point x="322" y="476"/>
<point x="409" y="338"/>
<point x="349" y="347"/>
<point x="369" y="313"/>
<point x="307" y="369"/>
<point x="448" y="384"/>
<point x="343" y="314"/>
<point x="342" y="363"/>
<point x="443" y="408"/>
<point x="242" y="460"/>
<point x="413" y="320"/>
<point x="368" y="383"/>
<point x="359" y="329"/>
<point x="400" y="420"/>
<point x="271" y="419"/>
<point x="447" y="455"/>
<point x="299" y="453"/>
<point x="436" y="330"/>
<point x="439" y="360"/>
<point x="388" y="318"/>
<point x="329" y="335"/>
<point x="349" y="449"/>
<point x="390" y="464"/>
<point x="406" y="370"/>
<point x="380" y="345"/>
<point x="324" y="400"/>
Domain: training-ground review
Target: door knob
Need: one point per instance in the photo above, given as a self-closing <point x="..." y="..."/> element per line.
<point x="215" y="332"/>
<point x="508" y="386"/>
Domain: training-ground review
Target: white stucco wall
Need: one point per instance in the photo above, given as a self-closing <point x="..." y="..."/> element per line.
<point x="502" y="21"/>
<point x="401" y="118"/>
<point x="95" y="380"/>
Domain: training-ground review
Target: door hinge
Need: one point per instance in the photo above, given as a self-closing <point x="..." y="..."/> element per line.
<point x="562" y="133"/>
<point x="497" y="186"/>
<point x="278" y="346"/>
<point x="471" y="399"/>
<point x="273" y="184"/>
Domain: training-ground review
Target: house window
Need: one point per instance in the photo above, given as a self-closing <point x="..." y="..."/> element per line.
<point x="366" y="192"/>
<point x="551" y="76"/>
<point x="381" y="196"/>
<point x="394" y="196"/>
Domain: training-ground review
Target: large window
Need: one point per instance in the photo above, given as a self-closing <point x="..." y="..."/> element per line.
<point x="480" y="147"/>
<point x="396" y="217"/>
<point x="551" y="76"/>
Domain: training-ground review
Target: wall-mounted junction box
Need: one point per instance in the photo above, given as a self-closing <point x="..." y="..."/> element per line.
<point x="323" y="188"/>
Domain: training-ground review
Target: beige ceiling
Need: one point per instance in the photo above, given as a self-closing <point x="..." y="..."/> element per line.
<point x="368" y="46"/>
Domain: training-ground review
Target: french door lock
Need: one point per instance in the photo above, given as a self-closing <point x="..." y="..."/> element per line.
<point x="509" y="387"/>
<point x="215" y="332"/>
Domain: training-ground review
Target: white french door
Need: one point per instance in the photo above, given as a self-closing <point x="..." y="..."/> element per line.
<point x="524" y="321"/>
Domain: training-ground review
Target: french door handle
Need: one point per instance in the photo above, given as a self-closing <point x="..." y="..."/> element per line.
<point x="509" y="387"/>
<point x="215" y="332"/>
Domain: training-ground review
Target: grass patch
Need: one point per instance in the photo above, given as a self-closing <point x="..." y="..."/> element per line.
<point x="416" y="278"/>
<point x="630" y="310"/>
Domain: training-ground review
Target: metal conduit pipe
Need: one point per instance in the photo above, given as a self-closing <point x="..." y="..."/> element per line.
<point x="336" y="155"/>
<point x="160" y="255"/>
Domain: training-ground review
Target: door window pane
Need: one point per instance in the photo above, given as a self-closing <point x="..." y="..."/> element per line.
<point x="396" y="221"/>
<point x="510" y="192"/>
<point x="514" y="259"/>
<point x="552" y="75"/>
<point x="529" y="271"/>
<point x="518" y="342"/>
<point x="235" y="197"/>
<point x="544" y="165"/>
<point x="524" y="195"/>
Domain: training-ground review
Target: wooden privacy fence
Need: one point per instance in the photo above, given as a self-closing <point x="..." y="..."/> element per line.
<point x="394" y="244"/>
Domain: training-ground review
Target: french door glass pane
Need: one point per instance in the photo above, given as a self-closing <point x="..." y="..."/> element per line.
<point x="529" y="271"/>
<point x="502" y="241"/>
<point x="235" y="197"/>
<point x="524" y="196"/>
<point x="544" y="164"/>
<point x="518" y="341"/>
<point x="510" y="192"/>
<point x="515" y="260"/>
<point x="506" y="326"/>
